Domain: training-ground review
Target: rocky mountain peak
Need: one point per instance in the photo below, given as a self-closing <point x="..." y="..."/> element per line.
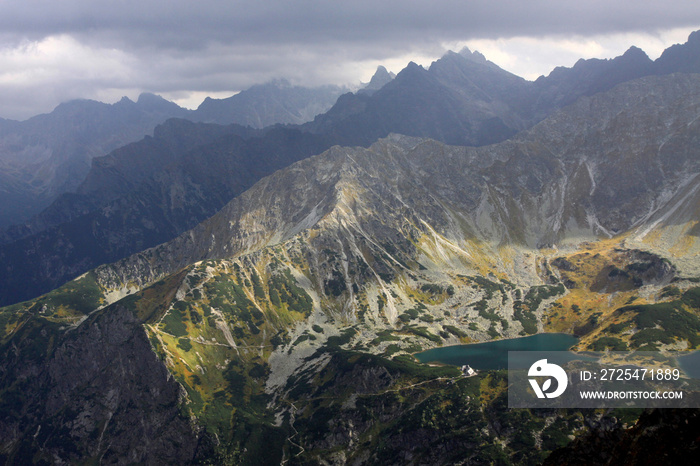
<point x="379" y="79"/>
<point x="635" y="52"/>
<point x="474" y="56"/>
<point x="277" y="101"/>
<point x="681" y="57"/>
<point x="125" y="101"/>
<point x="412" y="67"/>
<point x="155" y="103"/>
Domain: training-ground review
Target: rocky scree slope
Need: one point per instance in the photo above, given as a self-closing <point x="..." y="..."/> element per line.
<point x="375" y="230"/>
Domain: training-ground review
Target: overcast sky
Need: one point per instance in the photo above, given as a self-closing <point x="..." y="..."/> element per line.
<point x="53" y="51"/>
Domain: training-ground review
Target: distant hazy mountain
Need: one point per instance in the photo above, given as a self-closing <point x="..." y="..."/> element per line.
<point x="132" y="213"/>
<point x="587" y="77"/>
<point x="50" y="154"/>
<point x="122" y="170"/>
<point x="283" y="325"/>
<point x="268" y="104"/>
<point x="379" y="79"/>
<point x="464" y="99"/>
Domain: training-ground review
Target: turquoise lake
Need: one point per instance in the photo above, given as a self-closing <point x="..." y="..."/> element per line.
<point x="690" y="363"/>
<point x="494" y="354"/>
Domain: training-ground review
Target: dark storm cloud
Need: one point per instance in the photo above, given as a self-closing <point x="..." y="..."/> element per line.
<point x="188" y="24"/>
<point x="97" y="49"/>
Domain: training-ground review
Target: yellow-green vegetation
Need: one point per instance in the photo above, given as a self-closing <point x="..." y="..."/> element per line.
<point x="664" y="323"/>
<point x="492" y="385"/>
<point x="524" y="311"/>
<point x="432" y="293"/>
<point x="604" y="305"/>
<point x="582" y="272"/>
<point x="215" y="325"/>
<point x="65" y="305"/>
<point x="151" y="303"/>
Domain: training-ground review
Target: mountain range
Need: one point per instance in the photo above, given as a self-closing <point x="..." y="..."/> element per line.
<point x="267" y="287"/>
<point x="464" y="99"/>
<point x="48" y="155"/>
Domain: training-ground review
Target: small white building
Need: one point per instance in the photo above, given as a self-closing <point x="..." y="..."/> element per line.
<point x="468" y="371"/>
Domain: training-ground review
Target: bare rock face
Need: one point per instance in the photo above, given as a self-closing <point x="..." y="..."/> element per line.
<point x="98" y="392"/>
